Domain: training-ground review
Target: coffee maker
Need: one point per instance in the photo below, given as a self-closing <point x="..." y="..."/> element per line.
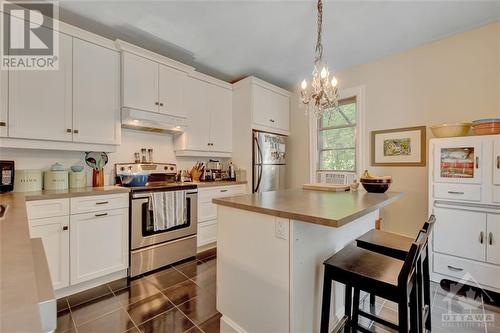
<point x="214" y="170"/>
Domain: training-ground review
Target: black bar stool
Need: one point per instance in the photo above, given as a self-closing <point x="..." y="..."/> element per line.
<point x="389" y="278"/>
<point x="397" y="246"/>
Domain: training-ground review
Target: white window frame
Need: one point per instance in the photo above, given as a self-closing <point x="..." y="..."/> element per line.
<point x="359" y="93"/>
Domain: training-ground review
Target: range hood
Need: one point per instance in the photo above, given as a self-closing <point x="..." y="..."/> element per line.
<point x="152" y="121"/>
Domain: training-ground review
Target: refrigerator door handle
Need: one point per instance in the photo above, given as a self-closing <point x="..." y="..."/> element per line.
<point x="258" y="164"/>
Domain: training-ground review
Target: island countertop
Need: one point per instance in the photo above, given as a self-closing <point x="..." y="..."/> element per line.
<point x="332" y="209"/>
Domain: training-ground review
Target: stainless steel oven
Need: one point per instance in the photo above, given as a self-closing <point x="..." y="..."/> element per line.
<point x="151" y="249"/>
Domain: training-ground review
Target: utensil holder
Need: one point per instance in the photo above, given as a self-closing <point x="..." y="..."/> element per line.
<point x="98" y="178"/>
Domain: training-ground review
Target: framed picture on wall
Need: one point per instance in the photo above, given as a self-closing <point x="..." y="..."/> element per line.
<point x="399" y="147"/>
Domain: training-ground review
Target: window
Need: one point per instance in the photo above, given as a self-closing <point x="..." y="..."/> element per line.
<point x="337" y="138"/>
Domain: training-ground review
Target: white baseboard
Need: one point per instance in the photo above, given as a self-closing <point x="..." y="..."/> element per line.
<point x="90" y="284"/>
<point x="229" y="326"/>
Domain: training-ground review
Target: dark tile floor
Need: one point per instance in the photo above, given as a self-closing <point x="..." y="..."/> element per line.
<point x="181" y="298"/>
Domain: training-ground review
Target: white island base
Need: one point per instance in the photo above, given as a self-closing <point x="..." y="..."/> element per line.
<point x="270" y="270"/>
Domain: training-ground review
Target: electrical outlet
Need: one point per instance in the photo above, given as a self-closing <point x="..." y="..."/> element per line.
<point x="281" y="229"/>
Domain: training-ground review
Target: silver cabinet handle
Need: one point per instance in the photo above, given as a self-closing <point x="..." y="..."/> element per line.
<point x="101" y="214"/>
<point x="65" y="227"/>
<point x="102" y="202"/>
<point x="490" y="238"/>
<point x="3" y="124"/>
<point x="455" y="192"/>
<point x="481" y="237"/>
<point x="477" y="162"/>
<point x="455" y="269"/>
<point x="498" y="162"/>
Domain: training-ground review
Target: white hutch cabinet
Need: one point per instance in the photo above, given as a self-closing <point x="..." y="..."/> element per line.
<point x="464" y="195"/>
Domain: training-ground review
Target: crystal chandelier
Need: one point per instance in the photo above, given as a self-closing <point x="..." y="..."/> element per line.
<point x="323" y="93"/>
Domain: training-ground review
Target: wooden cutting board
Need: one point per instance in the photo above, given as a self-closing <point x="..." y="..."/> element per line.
<point x="326" y="187"/>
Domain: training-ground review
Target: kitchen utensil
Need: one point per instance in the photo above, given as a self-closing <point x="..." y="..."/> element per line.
<point x="326" y="187"/>
<point x="134" y="179"/>
<point x="77" y="168"/>
<point x="28" y="180"/>
<point x="55" y="180"/>
<point x="96" y="160"/>
<point x="6" y="176"/>
<point x="77" y="179"/>
<point x="143" y="155"/>
<point x="486" y="126"/>
<point x="57" y="167"/>
<point x="451" y="130"/>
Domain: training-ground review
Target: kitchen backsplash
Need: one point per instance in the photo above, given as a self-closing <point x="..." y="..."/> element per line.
<point x="132" y="141"/>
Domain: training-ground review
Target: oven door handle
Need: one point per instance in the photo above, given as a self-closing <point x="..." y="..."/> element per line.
<point x="147" y="194"/>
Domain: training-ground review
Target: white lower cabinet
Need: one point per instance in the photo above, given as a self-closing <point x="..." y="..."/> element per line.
<point x="98" y="244"/>
<point x="84" y="246"/>
<point x="207" y="211"/>
<point x="54" y="232"/>
<point x="493" y="239"/>
<point x="460" y="233"/>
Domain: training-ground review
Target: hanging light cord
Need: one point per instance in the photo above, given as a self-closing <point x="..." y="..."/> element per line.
<point x="319" y="46"/>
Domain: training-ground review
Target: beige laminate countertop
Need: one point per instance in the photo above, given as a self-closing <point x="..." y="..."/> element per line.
<point x="18" y="292"/>
<point x="332" y="209"/>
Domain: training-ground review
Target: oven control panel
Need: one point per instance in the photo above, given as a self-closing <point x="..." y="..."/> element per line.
<point x="156" y="168"/>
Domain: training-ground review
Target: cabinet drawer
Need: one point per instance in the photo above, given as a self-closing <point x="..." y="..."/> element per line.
<point x="39" y="209"/>
<point x="97" y="203"/>
<point x="206" y="211"/>
<point x="457" y="192"/>
<point x="207" y="232"/>
<point x="207" y="194"/>
<point x="456" y="267"/>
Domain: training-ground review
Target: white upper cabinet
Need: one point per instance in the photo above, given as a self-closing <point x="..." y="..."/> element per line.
<point x="496" y="161"/>
<point x="171" y="89"/>
<point x="209" y="124"/>
<point x="96" y="94"/>
<point x="219" y="103"/>
<point x="40" y="101"/>
<point x="197" y="134"/>
<point x="151" y="86"/>
<point x="458" y="160"/>
<point x="270" y="108"/>
<point x="3" y="102"/>
<point x="140" y="82"/>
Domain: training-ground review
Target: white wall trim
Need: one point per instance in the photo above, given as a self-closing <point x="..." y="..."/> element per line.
<point x="359" y="93"/>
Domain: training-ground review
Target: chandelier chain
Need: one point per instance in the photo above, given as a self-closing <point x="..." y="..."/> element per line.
<point x="319" y="45"/>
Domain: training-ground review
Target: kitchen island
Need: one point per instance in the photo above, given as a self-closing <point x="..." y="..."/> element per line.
<point x="270" y="250"/>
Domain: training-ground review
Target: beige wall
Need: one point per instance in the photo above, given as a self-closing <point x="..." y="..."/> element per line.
<point x="451" y="80"/>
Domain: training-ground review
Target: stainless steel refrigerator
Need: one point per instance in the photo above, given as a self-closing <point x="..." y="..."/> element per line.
<point x="269" y="161"/>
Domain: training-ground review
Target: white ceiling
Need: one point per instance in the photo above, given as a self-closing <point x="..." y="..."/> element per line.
<point x="275" y="40"/>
